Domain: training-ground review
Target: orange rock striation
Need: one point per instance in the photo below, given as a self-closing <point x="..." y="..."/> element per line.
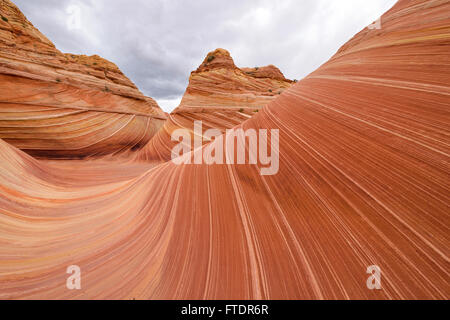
<point x="363" y="180"/>
<point x="64" y="105"/>
<point x="221" y="96"/>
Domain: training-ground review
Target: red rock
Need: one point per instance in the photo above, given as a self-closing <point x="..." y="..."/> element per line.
<point x="64" y="105"/>
<point x="363" y="180"/>
<point x="269" y="71"/>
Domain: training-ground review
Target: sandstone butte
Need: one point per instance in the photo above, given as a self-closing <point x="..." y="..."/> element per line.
<point x="220" y="95"/>
<point x="64" y="105"/>
<point x="363" y="180"/>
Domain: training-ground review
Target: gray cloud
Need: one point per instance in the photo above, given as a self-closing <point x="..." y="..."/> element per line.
<point x="157" y="43"/>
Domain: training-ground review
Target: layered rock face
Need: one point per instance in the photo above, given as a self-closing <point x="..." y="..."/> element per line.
<point x="220" y="95"/>
<point x="363" y="180"/>
<point x="63" y="105"/>
<point x="218" y="85"/>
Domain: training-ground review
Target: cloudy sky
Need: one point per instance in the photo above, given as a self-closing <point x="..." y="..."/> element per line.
<point x="157" y="43"/>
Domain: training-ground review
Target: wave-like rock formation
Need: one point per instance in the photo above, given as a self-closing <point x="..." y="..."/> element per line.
<point x="363" y="180"/>
<point x="220" y="95"/>
<point x="64" y="105"/>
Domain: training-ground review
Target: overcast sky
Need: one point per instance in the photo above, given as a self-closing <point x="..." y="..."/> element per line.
<point x="157" y="43"/>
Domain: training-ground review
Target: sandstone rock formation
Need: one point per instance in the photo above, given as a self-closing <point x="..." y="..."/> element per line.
<point x="363" y="180"/>
<point x="221" y="96"/>
<point x="269" y="72"/>
<point x="64" y="105"/>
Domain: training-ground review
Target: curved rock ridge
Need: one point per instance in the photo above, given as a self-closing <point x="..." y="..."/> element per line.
<point x="220" y="95"/>
<point x="65" y="105"/>
<point x="363" y="181"/>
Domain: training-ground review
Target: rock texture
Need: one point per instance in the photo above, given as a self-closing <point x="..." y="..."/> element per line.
<point x="220" y="95"/>
<point x="363" y="180"/>
<point x="64" y="105"/>
<point x="269" y="72"/>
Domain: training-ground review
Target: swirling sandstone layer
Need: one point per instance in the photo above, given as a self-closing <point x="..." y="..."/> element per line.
<point x="220" y="95"/>
<point x="363" y="180"/>
<point x="63" y="105"/>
